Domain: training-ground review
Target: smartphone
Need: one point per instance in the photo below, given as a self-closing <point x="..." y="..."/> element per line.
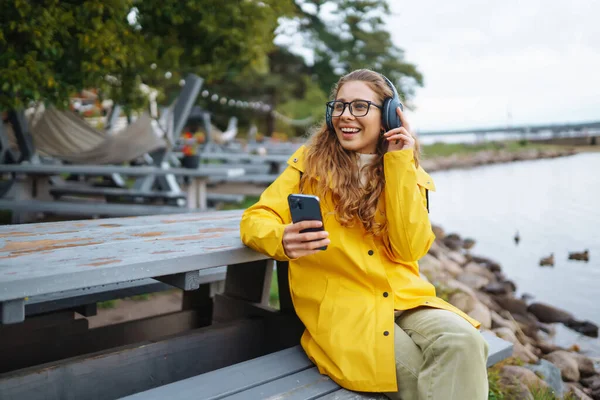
<point x="304" y="207"/>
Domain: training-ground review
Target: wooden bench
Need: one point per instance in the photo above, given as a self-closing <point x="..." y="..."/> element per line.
<point x="220" y="325"/>
<point x="34" y="185"/>
<point x="132" y="195"/>
<point x="287" y="374"/>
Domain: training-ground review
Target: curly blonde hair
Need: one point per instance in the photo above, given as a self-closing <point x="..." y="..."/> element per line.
<point x="333" y="171"/>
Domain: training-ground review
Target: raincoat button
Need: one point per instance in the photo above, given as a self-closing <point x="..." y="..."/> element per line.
<point x="385" y="333"/>
<point x="385" y="294"/>
<point x="371" y="252"/>
<point x="295" y="160"/>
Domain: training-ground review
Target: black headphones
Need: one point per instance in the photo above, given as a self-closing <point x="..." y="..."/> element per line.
<point x="389" y="116"/>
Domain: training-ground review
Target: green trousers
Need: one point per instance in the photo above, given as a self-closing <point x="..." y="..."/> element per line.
<point x="439" y="356"/>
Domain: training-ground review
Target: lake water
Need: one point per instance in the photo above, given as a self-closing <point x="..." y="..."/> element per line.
<point x="555" y="206"/>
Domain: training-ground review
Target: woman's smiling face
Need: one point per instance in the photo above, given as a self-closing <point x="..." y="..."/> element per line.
<point x="359" y="134"/>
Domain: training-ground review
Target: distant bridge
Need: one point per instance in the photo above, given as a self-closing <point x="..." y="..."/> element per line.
<point x="552" y="130"/>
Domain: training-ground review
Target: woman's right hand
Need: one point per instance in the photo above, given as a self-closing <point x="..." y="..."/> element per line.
<point x="298" y="244"/>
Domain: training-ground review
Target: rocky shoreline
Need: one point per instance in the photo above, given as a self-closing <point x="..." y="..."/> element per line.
<point x="478" y="286"/>
<point x="486" y="157"/>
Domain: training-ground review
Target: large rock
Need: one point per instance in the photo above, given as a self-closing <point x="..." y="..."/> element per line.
<point x="474" y="281"/>
<point x="550" y="374"/>
<point x="512" y="305"/>
<point x="438" y="231"/>
<point x="576" y="392"/>
<point x="453" y="241"/>
<point x="592" y="382"/>
<point x="547" y="347"/>
<point x="518" y="390"/>
<point x="499" y="322"/>
<point x="519" y="350"/>
<point x="436" y="249"/>
<point x="498" y="288"/>
<point x="431" y="267"/>
<point x="567" y="364"/>
<point x="482" y="314"/>
<point x="457" y="257"/>
<point x="585" y="365"/>
<point x="522" y="374"/>
<point x="547" y="313"/>
<point x="477" y="269"/>
<point x="586" y="327"/>
<point x="450" y="266"/>
<point x="454" y="285"/>
<point x="490" y="264"/>
<point x="463" y="301"/>
<point x="488" y="301"/>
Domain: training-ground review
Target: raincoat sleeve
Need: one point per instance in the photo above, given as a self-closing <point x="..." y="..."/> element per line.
<point x="409" y="230"/>
<point x="262" y="225"/>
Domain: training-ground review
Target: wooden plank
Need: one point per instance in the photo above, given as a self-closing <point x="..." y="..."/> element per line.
<point x="88" y="209"/>
<point x="234" y="379"/>
<point x="106" y="170"/>
<point x="79" y="297"/>
<point x="250" y="281"/>
<point x="45" y="258"/>
<point x="285" y="297"/>
<point x="499" y="349"/>
<point x="12" y="311"/>
<point x="305" y="385"/>
<point x="230" y="308"/>
<point x="139" y="367"/>
<point x="258" y="179"/>
<point x="185" y="281"/>
<point x="246" y="157"/>
<point x="86" y="190"/>
<point x="343" y="394"/>
<point x="60" y="342"/>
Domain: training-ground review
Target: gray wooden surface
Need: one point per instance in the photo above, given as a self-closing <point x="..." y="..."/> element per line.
<point x="246" y="157"/>
<point x="51" y="169"/>
<point x="89" y="208"/>
<point x="231" y="380"/>
<point x="287" y="374"/>
<point x="38" y="259"/>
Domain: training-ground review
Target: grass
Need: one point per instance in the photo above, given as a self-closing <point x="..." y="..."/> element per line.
<point x="107" y="304"/>
<point x="274" y="294"/>
<point x="448" y="149"/>
<point x="248" y="201"/>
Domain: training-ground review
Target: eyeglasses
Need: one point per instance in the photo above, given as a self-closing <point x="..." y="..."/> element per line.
<point x="358" y="108"/>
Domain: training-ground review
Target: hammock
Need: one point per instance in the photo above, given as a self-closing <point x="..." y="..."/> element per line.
<point x="68" y="137"/>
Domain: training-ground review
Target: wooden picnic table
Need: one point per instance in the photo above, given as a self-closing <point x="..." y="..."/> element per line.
<point x="58" y="261"/>
<point x="41" y="259"/>
<point x="34" y="184"/>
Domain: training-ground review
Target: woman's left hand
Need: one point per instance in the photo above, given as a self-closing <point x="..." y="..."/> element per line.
<point x="400" y="138"/>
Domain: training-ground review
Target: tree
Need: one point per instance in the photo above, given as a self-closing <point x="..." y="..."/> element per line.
<point x="52" y="48"/>
<point x="351" y="34"/>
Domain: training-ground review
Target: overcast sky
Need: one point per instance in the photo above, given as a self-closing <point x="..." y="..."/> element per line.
<point x="491" y="63"/>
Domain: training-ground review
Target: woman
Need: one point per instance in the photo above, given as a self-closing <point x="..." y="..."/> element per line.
<point x="372" y="323"/>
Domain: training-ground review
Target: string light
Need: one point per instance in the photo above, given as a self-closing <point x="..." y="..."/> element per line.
<point x="258" y="106"/>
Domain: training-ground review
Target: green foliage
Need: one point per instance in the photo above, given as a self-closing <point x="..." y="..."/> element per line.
<point x="447" y="149"/>
<point x="107" y="304"/>
<point x="495" y="390"/>
<point x="214" y="38"/>
<point x="52" y="48"/>
<point x="548" y="394"/>
<point x="351" y="34"/>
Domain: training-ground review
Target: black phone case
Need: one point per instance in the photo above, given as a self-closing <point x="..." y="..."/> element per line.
<point x="306" y="208"/>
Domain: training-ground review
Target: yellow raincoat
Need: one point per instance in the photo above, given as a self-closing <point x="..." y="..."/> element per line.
<point x="347" y="294"/>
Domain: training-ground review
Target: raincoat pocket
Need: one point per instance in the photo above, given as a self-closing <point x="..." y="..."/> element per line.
<point x="324" y="320"/>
